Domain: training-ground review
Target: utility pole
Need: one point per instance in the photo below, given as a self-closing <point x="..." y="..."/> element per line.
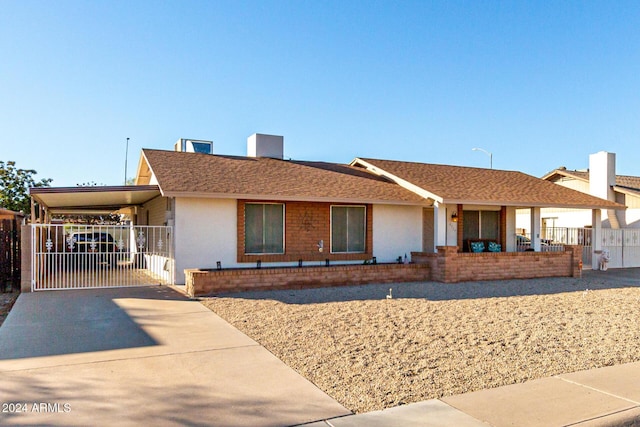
<point x="126" y="157"/>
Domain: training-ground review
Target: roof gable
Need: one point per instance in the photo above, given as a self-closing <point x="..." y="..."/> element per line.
<point x="459" y="184"/>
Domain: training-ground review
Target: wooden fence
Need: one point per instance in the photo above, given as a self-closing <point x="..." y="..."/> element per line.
<point x="9" y="255"/>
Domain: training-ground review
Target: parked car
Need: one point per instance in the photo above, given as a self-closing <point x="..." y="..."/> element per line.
<point x="523" y="243"/>
<point x="100" y="247"/>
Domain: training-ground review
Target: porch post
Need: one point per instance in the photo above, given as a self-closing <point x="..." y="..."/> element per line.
<point x="440" y="225"/>
<point x="460" y="225"/>
<point x="535" y="229"/>
<point x="596" y="237"/>
<point x="503" y="228"/>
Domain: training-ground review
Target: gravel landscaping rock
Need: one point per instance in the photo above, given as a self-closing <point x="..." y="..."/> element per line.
<point x="430" y="340"/>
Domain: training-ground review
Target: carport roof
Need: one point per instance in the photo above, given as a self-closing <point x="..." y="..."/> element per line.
<point x="93" y="200"/>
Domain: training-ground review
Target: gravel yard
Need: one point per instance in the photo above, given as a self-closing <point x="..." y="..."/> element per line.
<point x="432" y="340"/>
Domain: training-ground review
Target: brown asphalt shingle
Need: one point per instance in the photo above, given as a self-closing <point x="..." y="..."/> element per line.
<point x="265" y="178"/>
<point x="458" y="184"/>
<point x="180" y="173"/>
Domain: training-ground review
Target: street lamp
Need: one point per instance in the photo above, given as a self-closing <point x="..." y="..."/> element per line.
<point x="126" y="156"/>
<point x="487" y="153"/>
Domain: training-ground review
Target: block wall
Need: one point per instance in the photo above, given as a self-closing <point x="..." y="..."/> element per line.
<point x="451" y="266"/>
<point x="204" y="282"/>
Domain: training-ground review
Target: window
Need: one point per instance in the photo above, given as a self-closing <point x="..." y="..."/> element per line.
<point x="264" y="228"/>
<point x="348" y="229"/>
<point x="481" y="225"/>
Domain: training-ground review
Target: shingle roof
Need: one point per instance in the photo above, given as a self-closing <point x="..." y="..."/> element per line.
<point x="628" y="182"/>
<point x="206" y="175"/>
<point x="457" y="184"/>
<point x="631" y="182"/>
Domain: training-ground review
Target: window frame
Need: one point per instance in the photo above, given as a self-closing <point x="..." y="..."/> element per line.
<point x="364" y="230"/>
<point x="481" y="235"/>
<point x="263" y="204"/>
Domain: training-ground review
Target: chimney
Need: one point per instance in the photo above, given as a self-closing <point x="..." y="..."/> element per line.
<point x="602" y="175"/>
<point x="260" y="145"/>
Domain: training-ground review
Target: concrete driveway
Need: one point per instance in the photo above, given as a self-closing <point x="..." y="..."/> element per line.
<point x="139" y="356"/>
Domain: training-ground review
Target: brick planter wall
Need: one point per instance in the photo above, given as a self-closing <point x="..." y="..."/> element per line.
<point x="203" y="282"/>
<point x="451" y="266"/>
<point x="447" y="266"/>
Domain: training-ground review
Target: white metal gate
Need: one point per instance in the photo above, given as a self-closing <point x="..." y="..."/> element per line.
<point x="80" y="256"/>
<point x="623" y="246"/>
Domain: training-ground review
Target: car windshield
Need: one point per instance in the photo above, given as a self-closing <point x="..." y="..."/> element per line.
<point x="97" y="237"/>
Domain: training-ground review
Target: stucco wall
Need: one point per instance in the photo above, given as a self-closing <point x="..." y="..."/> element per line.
<point x="397" y="230"/>
<point x="205" y="232"/>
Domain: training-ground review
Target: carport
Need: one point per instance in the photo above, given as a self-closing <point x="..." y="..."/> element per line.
<point x="80" y="255"/>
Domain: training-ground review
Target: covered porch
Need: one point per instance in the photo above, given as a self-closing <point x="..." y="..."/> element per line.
<point x="492" y="230"/>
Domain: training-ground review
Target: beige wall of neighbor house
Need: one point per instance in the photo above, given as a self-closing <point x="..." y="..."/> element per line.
<point x="155" y="211"/>
<point x="397" y="230"/>
<point x="574" y="184"/>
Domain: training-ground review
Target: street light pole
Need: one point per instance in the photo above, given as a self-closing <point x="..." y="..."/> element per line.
<point x="487" y="153"/>
<point x="126" y="157"/>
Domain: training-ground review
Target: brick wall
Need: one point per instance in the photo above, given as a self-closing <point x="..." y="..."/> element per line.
<point x="447" y="266"/>
<point x="203" y="282"/>
<point x="450" y="266"/>
<point x="306" y="223"/>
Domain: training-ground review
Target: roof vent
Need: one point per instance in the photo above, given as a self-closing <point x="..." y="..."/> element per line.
<point x="194" y="146"/>
<point x="260" y="145"/>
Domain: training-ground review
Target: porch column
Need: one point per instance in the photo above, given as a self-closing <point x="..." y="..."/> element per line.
<point x="596" y="237"/>
<point x="535" y="229"/>
<point x="440" y="225"/>
<point x="460" y="227"/>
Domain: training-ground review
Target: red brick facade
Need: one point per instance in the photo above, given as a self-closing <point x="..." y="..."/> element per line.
<point x="306" y="223"/>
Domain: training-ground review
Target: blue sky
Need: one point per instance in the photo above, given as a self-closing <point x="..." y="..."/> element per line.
<point x="538" y="84"/>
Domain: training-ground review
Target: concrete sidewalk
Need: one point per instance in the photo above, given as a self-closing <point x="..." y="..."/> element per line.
<point x="594" y="398"/>
<point x="142" y="356"/>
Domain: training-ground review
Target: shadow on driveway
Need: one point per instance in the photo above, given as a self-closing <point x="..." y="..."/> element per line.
<point x="64" y="322"/>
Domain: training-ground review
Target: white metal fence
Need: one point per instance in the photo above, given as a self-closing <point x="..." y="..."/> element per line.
<point x="80" y="256"/>
<point x="623" y="245"/>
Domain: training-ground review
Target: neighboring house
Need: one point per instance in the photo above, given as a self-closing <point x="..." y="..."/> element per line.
<point x="620" y="236"/>
<point x="265" y="210"/>
<point x="601" y="181"/>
